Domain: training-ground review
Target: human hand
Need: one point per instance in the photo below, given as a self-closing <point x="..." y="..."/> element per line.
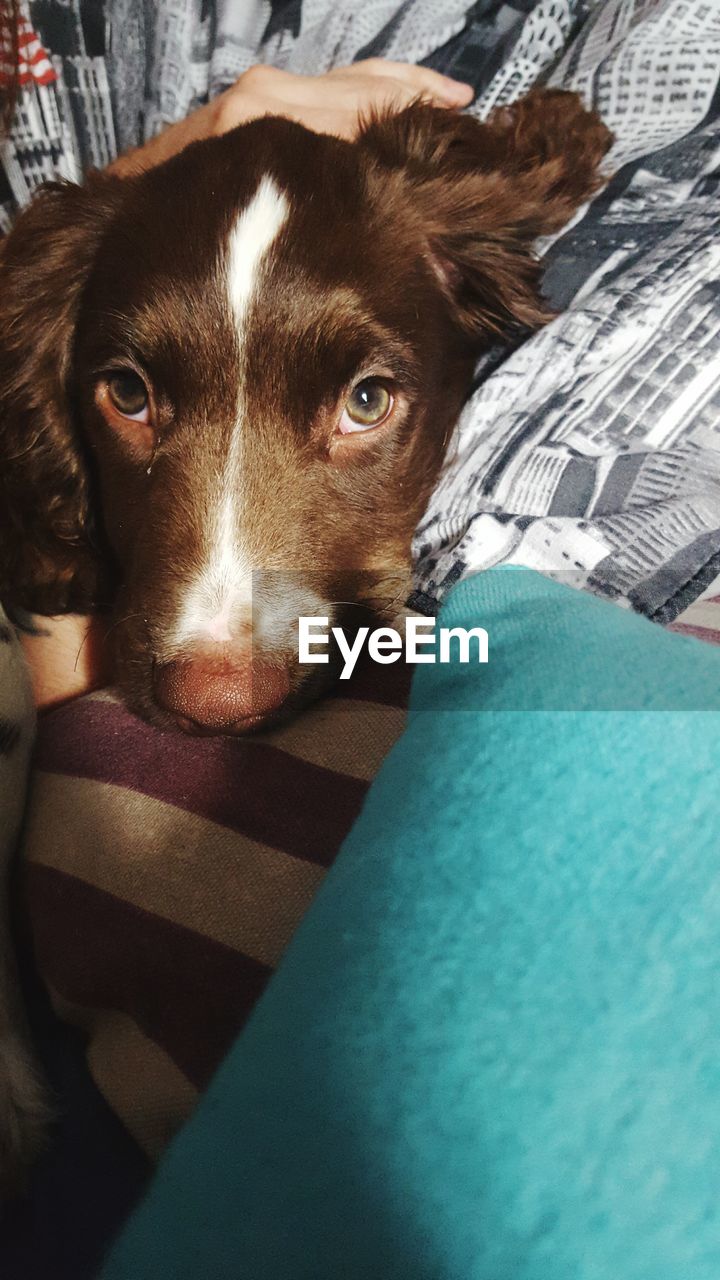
<point x="332" y="103"/>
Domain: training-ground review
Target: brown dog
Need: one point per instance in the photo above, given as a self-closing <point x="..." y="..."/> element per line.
<point x="226" y="385"/>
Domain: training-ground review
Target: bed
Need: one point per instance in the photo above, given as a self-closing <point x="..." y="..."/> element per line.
<point x="165" y="876"/>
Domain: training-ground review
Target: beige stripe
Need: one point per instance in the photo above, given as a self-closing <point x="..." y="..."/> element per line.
<point x="103" y="695"/>
<point x="171" y="862"/>
<point x="351" y="737"/>
<point x="347" y="735"/>
<point x="700" y="614"/>
<point x="141" y="1084"/>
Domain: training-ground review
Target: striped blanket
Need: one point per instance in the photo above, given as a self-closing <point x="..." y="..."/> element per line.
<point x="166" y="875"/>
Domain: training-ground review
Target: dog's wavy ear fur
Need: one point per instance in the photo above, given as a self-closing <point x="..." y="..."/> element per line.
<point x="47" y="560"/>
<point x="484" y="192"/>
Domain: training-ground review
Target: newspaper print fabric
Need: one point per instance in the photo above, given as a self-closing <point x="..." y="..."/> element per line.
<point x="593" y="450"/>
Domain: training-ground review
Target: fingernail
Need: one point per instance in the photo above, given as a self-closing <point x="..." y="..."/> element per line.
<point x="458" y="91"/>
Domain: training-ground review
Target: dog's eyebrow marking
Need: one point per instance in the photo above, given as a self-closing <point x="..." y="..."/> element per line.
<point x="256" y="228"/>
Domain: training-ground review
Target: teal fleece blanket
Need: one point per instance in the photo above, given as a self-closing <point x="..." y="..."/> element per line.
<point x="492" y="1050"/>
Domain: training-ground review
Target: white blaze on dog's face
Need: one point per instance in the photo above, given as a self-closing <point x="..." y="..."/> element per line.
<point x="242" y="369"/>
<point x="218" y="602"/>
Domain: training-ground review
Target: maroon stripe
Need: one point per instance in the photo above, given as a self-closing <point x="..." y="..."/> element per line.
<point x="186" y="992"/>
<point x="710" y="635"/>
<point x="249" y="786"/>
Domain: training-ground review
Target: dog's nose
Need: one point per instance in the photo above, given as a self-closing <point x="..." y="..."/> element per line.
<point x="220" y="695"/>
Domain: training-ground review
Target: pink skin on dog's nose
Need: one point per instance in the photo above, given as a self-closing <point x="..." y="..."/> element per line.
<point x="220" y="694"/>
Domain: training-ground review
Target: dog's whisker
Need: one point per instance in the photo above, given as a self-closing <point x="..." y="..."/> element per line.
<point x="83" y="642"/>
<point x="119" y="622"/>
<point x="354" y="604"/>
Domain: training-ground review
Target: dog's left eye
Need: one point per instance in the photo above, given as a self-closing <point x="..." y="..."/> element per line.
<point x="369" y="404"/>
<point x="129" y="395"/>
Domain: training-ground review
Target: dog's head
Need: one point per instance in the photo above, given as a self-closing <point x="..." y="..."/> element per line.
<point x="226" y="384"/>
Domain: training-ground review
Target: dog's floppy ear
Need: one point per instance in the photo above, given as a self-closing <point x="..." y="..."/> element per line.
<point x="47" y="562"/>
<point x="485" y="191"/>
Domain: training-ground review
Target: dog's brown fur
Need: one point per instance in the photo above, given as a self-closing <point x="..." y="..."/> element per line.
<point x="415" y="240"/>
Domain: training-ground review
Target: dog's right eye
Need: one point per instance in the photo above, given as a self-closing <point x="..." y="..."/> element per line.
<point x="129" y="395"/>
<point x="369" y="404"/>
